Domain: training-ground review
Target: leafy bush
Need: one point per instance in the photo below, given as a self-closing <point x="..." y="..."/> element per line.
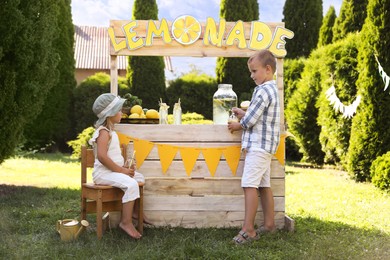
<point x="380" y="172"/>
<point x="86" y="93"/>
<point x="82" y="139"/>
<point x="195" y="92"/>
<point x="191" y="119"/>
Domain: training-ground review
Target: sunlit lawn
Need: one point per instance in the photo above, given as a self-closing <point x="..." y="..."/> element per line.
<point x="336" y="218"/>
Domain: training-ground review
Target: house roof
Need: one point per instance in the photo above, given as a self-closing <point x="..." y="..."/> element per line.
<point x="92" y="49"/>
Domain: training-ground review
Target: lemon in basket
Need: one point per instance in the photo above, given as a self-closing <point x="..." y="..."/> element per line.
<point x="137" y="109"/>
<point x="152" y="113"/>
<point x="134" y="115"/>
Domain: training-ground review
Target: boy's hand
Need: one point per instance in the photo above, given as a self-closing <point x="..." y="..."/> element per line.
<point x="234" y="126"/>
<point x="238" y="112"/>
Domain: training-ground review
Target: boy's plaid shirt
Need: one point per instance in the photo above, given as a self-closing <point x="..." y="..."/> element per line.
<point x="261" y="122"/>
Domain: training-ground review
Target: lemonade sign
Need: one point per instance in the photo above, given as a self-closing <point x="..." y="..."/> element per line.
<point x="187" y="30"/>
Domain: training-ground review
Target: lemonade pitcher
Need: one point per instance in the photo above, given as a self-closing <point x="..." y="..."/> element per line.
<point x="224" y="100"/>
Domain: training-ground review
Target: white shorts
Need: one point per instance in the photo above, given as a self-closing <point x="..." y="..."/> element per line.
<point x="257" y="170"/>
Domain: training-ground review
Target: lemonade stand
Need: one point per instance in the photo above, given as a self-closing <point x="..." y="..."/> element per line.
<point x="193" y="171"/>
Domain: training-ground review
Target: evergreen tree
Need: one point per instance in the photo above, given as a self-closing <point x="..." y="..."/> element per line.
<point x="326" y="30"/>
<point x="370" y="135"/>
<point x="28" y="65"/>
<point x="343" y="73"/>
<point x="235" y="70"/>
<point x="301" y="112"/>
<point x="351" y="18"/>
<point x="304" y="18"/>
<point x="146" y="74"/>
<point x="53" y="124"/>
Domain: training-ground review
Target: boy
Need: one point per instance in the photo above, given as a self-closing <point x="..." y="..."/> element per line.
<point x="260" y="139"/>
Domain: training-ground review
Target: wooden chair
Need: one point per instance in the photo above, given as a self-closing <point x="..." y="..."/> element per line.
<point x="101" y="198"/>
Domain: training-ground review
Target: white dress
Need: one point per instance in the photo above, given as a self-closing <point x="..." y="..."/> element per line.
<point x="104" y="176"/>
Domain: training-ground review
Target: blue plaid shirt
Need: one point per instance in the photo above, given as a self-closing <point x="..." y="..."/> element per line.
<point x="261" y="122"/>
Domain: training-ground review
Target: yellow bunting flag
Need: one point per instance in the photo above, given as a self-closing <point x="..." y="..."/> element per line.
<point x="232" y="155"/>
<point x="212" y="157"/>
<point x="166" y="154"/>
<point x="281" y="148"/>
<point x="124" y="139"/>
<point x="142" y="148"/>
<point x="189" y="155"/>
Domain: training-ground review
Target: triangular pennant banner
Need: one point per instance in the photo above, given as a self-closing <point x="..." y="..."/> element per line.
<point x="142" y="148"/>
<point x="189" y="155"/>
<point x="212" y="157"/>
<point x="232" y="155"/>
<point x="124" y="139"/>
<point x="166" y="154"/>
<point x="280" y="151"/>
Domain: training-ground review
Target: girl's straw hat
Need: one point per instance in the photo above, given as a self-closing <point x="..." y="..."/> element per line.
<point x="106" y="105"/>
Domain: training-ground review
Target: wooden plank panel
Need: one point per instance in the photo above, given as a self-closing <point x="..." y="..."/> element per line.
<point x="142" y="25"/>
<point x="182" y="133"/>
<point x="176" y="169"/>
<point x="202" y="187"/>
<point x="206" y="203"/>
<point x="202" y="219"/>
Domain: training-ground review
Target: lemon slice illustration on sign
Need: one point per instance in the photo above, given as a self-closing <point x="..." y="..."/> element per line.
<point x="186" y="29"/>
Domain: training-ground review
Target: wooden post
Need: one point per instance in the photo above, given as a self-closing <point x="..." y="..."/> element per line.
<point x="114" y="75"/>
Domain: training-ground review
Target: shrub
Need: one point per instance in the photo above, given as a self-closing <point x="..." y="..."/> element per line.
<point x="191" y="119"/>
<point x="86" y="93"/>
<point x="82" y="139"/>
<point x="380" y="172"/>
<point x="195" y="92"/>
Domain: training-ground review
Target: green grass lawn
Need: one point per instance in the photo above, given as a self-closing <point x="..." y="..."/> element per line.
<point x="336" y="218"/>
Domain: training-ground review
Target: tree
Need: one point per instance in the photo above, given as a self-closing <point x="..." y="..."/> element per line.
<point x="235" y="70"/>
<point x="326" y="30"/>
<point x="351" y="18"/>
<point x="343" y="73"/>
<point x="304" y="18"/>
<point x="28" y="65"/>
<point x="53" y="124"/>
<point x="301" y="112"/>
<point x="146" y="74"/>
<point x="370" y="135"/>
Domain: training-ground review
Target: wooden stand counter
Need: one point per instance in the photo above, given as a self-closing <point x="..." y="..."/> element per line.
<point x="198" y="198"/>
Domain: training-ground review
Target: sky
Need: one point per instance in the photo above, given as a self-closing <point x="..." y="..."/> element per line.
<point x="100" y="12"/>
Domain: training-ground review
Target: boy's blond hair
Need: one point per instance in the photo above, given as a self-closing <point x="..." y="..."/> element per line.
<point x="265" y="57"/>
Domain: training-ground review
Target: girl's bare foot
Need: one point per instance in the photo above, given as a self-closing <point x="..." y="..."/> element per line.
<point x="130" y="230"/>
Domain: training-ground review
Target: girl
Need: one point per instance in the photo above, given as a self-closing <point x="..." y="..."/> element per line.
<point x="109" y="168"/>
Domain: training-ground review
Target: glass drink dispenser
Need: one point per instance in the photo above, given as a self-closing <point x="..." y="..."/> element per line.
<point x="224" y="100"/>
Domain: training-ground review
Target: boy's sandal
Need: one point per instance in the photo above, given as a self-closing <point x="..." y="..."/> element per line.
<point x="263" y="230"/>
<point x="243" y="238"/>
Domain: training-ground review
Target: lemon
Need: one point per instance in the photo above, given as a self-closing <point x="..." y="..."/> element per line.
<point x="186" y="29"/>
<point x="136" y="109"/>
<point x="124" y="115"/>
<point x="134" y="115"/>
<point x="152" y="113"/>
